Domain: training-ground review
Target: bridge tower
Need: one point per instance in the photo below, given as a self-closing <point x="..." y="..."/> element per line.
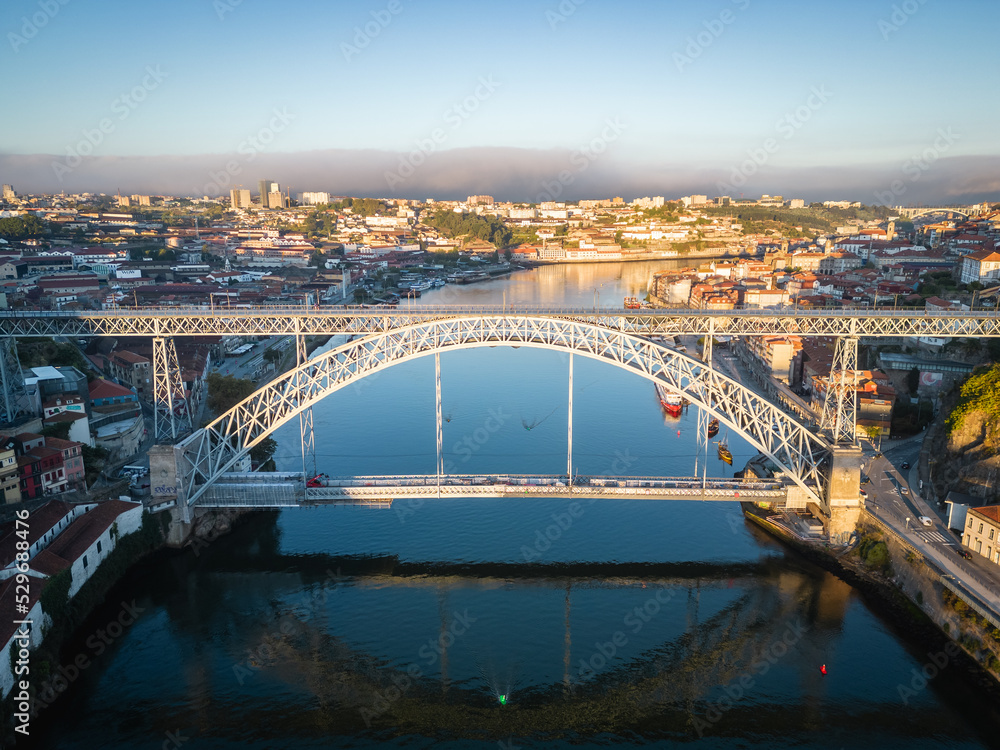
<point x="843" y="488"/>
<point x="12" y="381"/>
<point x="307" y="433"/>
<point x="171" y="412"/>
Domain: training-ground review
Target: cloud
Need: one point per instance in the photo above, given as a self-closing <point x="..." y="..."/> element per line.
<point x="507" y="173"/>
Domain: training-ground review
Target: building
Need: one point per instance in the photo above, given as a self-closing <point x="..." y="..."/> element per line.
<point x="239" y="198"/>
<point x="265" y="188"/>
<point x="981" y="266"/>
<point x="83" y="546"/>
<point x="480" y="200"/>
<point x="14" y="636"/>
<point x="8" y="193"/>
<point x="132" y="371"/>
<point x="105" y="393"/>
<point x="314" y="199"/>
<point x="72" y="461"/>
<point x="10" y="485"/>
<point x="982" y="529"/>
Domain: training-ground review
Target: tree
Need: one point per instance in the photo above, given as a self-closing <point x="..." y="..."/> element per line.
<point x="913" y="380"/>
<point x="57" y="430"/>
<point x="261" y="454"/>
<point x="874" y="432"/>
<point x="225" y="391"/>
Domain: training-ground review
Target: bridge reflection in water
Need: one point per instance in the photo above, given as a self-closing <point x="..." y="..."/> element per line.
<point x="689" y="631"/>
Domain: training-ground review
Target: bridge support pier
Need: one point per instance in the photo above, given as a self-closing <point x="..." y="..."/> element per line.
<point x="843" y="500"/>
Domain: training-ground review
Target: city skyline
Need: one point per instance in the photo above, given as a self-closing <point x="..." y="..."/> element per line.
<point x="526" y="102"/>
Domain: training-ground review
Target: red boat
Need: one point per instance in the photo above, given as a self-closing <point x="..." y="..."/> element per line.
<point x="671" y="402"/>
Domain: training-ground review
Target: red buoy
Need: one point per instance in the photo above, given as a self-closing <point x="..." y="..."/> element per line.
<point x="678" y="433"/>
<point x="823" y="669"/>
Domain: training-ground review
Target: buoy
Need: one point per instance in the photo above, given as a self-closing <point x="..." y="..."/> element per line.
<point x="823" y="669"/>
<point x="503" y="700"/>
<point x="678" y="433"/>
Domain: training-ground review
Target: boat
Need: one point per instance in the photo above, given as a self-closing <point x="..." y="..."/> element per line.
<point x="713" y="428"/>
<point x="438" y="281"/>
<point x="724" y="452"/>
<point x="421" y="286"/>
<point x="632" y="303"/>
<point x="671" y="402"/>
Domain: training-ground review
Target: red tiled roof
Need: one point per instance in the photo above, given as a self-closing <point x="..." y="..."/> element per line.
<point x="126" y="356"/>
<point x="989" y="512"/>
<point x="39" y="524"/>
<point x="84" y="531"/>
<point x="100" y="388"/>
<point x="65" y="416"/>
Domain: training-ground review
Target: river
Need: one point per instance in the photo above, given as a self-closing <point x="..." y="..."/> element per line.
<point x="486" y="623"/>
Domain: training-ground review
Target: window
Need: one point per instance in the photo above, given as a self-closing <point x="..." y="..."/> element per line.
<point x="991" y="533"/>
<point x="84" y="561"/>
<point x="98" y="547"/>
<point x="970" y="522"/>
<point x="980" y="528"/>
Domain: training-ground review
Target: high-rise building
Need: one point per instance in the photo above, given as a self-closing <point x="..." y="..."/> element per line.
<point x="480" y="200"/>
<point x="140" y="200"/>
<point x="240" y="198"/>
<point x="275" y="200"/>
<point x="8" y="193"/>
<point x="265" y="188"/>
<point x="315" y="199"/>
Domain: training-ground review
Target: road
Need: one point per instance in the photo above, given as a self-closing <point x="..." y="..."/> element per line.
<point x="898" y="503"/>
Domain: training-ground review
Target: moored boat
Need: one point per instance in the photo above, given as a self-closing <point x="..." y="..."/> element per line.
<point x="671" y="402"/>
<point x="713" y="428"/>
<point x="724" y="453"/>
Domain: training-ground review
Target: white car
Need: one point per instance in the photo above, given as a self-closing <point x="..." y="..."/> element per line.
<point x="926" y="521"/>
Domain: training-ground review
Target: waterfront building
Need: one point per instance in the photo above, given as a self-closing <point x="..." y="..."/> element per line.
<point x="982" y="532"/>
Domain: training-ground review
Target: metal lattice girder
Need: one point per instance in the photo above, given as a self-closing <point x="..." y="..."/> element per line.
<point x="840" y="404"/>
<point x="12" y="381"/>
<point x="307" y="432"/>
<point x="793" y="448"/>
<point x="171" y="415"/>
<point x="290" y="321"/>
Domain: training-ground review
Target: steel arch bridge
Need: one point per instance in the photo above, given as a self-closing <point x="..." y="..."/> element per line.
<point x="208" y="454"/>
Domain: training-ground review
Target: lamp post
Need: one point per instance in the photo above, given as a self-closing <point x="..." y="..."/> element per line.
<point x="907" y="523"/>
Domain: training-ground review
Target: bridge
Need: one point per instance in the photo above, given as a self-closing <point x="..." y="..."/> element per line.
<point x="913" y="212"/>
<point x="284" y="490"/>
<point x="819" y="471"/>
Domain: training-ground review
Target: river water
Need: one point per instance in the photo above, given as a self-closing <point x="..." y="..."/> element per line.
<point x="507" y="623"/>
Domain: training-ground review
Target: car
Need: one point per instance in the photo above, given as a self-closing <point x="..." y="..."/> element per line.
<point x="965" y="553"/>
<point x="878" y="454"/>
<point x="903" y="491"/>
<point x="863" y="493"/>
<point x="926" y="521"/>
<point x="905" y="465"/>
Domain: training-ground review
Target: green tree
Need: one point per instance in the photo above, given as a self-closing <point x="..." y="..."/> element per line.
<point x="225" y="391"/>
<point x="913" y="380"/>
<point x="57" y="430"/>
<point x="261" y="454"/>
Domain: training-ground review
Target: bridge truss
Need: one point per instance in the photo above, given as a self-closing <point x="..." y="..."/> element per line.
<point x="213" y="451"/>
<point x="294" y="321"/>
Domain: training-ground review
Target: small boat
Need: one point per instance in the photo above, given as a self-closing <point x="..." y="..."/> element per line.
<point x="724" y="452"/>
<point x="438" y="281"/>
<point x="671" y="402"/>
<point x="713" y="428"/>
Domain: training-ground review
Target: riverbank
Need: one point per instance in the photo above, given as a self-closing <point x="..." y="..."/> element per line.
<point x="894" y="579"/>
<point x="74" y="638"/>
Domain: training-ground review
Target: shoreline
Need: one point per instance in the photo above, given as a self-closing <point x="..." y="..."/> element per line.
<point x="880" y="593"/>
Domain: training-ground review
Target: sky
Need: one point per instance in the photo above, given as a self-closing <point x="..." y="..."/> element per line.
<point x="870" y="100"/>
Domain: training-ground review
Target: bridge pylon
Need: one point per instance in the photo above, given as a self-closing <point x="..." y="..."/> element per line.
<point x="840" y="404"/>
<point x="171" y="412"/>
<point x="307" y="432"/>
<point x="12" y="382"/>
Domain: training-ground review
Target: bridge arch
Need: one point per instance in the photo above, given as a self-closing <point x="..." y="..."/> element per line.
<point x="214" y="450"/>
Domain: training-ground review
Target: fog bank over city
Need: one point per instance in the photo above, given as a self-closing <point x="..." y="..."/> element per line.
<point x="513" y="174"/>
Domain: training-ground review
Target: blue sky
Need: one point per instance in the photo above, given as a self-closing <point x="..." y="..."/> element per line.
<point x="695" y="88"/>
